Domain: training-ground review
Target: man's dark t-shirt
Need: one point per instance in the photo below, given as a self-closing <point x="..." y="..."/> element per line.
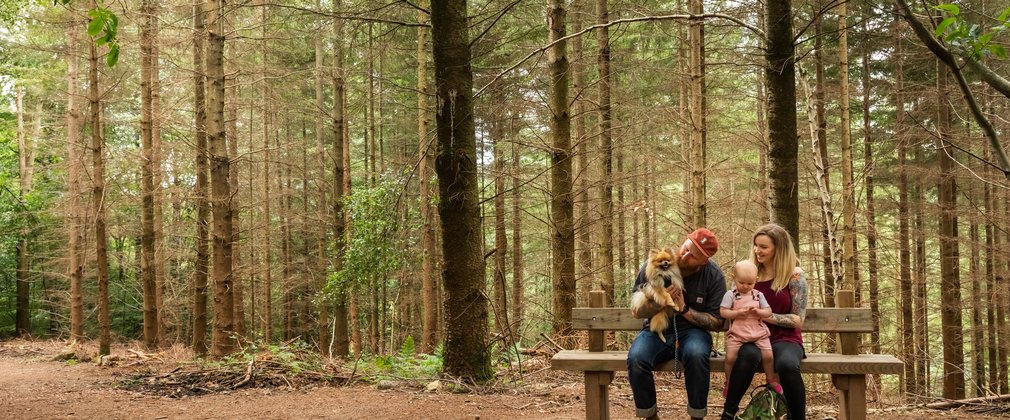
<point x="703" y="292"/>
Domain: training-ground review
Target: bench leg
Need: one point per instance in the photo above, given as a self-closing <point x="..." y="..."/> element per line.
<point x="851" y="396"/>
<point x="598" y="395"/>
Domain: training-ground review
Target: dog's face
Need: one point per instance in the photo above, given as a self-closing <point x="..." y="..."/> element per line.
<point x="663" y="259"/>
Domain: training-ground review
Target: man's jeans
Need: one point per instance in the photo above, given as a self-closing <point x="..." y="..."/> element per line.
<point x="647" y="351"/>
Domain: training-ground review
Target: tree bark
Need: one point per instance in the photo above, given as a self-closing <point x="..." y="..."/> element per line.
<point x="202" y="262"/>
<point x="562" y="210"/>
<point x="518" y="298"/>
<point x="224" y="324"/>
<point x="977" y="327"/>
<point x="324" y="310"/>
<point x="22" y="313"/>
<point x="780" y="76"/>
<point x="950" y="306"/>
<point x="848" y="279"/>
<point x="991" y="296"/>
<point x="870" y="167"/>
<point x="698" y="109"/>
<point x="606" y="239"/>
<point x="429" y="286"/>
<point x="340" y="332"/>
<point x="922" y="356"/>
<point x="148" y="249"/>
<point x="266" y="320"/>
<point x="98" y="202"/>
<point x="459" y="209"/>
<point x="75" y="214"/>
<point x="908" y="380"/>
<point x="584" y="225"/>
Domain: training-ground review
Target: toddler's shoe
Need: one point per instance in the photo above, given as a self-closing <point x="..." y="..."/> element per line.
<point x="776" y="386"/>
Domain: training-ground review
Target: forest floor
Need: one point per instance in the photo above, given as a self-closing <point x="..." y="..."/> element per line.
<point x="34" y="385"/>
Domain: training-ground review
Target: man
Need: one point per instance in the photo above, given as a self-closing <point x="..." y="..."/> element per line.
<point x="688" y="337"/>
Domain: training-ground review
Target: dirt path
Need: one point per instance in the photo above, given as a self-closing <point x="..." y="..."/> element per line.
<point x="32" y="386"/>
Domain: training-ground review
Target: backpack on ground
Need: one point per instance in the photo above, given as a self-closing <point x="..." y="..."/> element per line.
<point x="765" y="404"/>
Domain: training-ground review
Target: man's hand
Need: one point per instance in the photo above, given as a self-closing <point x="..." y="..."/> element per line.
<point x="677" y="295"/>
<point x="647" y="310"/>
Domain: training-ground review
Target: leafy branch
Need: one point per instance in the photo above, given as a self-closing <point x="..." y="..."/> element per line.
<point x="103" y="27"/>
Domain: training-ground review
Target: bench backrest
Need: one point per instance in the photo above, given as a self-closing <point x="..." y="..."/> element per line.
<point x="832" y="320"/>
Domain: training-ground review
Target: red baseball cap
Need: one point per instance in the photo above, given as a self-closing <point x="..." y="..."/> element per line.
<point x="705" y="240"/>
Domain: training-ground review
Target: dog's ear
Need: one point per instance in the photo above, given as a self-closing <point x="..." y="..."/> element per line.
<point x="653" y="252"/>
<point x="673" y="254"/>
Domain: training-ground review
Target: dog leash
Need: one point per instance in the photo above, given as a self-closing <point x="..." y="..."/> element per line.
<point x="676" y="349"/>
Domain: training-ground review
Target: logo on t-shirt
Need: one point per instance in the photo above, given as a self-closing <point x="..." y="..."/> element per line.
<point x="699" y="299"/>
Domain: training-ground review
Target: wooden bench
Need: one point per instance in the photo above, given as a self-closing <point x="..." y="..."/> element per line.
<point x="847" y="368"/>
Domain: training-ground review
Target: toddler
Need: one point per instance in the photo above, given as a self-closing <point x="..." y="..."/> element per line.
<point x="746" y="308"/>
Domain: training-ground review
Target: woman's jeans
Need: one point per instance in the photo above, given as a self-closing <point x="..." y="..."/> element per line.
<point x="787" y="365"/>
<point x="647" y="351"/>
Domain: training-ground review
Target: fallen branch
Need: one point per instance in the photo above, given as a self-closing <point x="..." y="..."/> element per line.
<point x="248" y="375"/>
<point x="949" y="404"/>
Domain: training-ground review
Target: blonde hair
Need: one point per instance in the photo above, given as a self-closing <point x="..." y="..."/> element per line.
<point x="785" y="255"/>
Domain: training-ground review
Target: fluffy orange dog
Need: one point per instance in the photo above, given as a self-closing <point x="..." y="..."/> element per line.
<point x="661" y="270"/>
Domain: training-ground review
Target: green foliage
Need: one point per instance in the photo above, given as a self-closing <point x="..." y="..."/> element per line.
<point x="404" y="364"/>
<point x="969" y="38"/>
<point x="374" y="248"/>
<point x="104" y="26"/>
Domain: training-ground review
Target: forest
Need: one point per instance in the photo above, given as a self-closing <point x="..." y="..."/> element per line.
<point x="452" y="177"/>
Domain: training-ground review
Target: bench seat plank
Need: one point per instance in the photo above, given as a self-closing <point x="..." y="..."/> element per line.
<point x="858" y="364"/>
<point x="817" y="320"/>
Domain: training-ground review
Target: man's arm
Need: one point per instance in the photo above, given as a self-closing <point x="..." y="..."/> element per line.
<point x="703" y="319"/>
<point x="707" y="316"/>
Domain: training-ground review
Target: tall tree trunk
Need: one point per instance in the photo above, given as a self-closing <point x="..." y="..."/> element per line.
<point x="518" y="299"/>
<point x="831" y="257"/>
<point x="780" y="76"/>
<point x="832" y="249"/>
<point x="75" y="213"/>
<point x="950" y="306"/>
<point x="459" y="208"/>
<point x="698" y="108"/>
<point x="202" y="262"/>
<point x="584" y="222"/>
<point x="147" y="264"/>
<point x="286" y="216"/>
<point x="22" y="318"/>
<point x="977" y="327"/>
<point x="160" y="289"/>
<point x="923" y="355"/>
<point x="500" y="306"/>
<point x="98" y="202"/>
<point x="606" y="239"/>
<point x="991" y="286"/>
<point x="239" y="266"/>
<point x="871" y="216"/>
<point x="908" y="380"/>
<point x="1004" y="293"/>
<point x="265" y="316"/>
<point x="562" y="231"/>
<point x="323" y="326"/>
<point x="22" y="314"/>
<point x="340" y="315"/>
<point x="848" y="280"/>
<point x="224" y="324"/>
<point x="429" y="286"/>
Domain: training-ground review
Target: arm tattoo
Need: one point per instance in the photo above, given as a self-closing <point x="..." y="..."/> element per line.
<point x="705" y="320"/>
<point x="798" y="293"/>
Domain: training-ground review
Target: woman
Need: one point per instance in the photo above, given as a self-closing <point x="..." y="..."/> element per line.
<point x="785" y="289"/>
